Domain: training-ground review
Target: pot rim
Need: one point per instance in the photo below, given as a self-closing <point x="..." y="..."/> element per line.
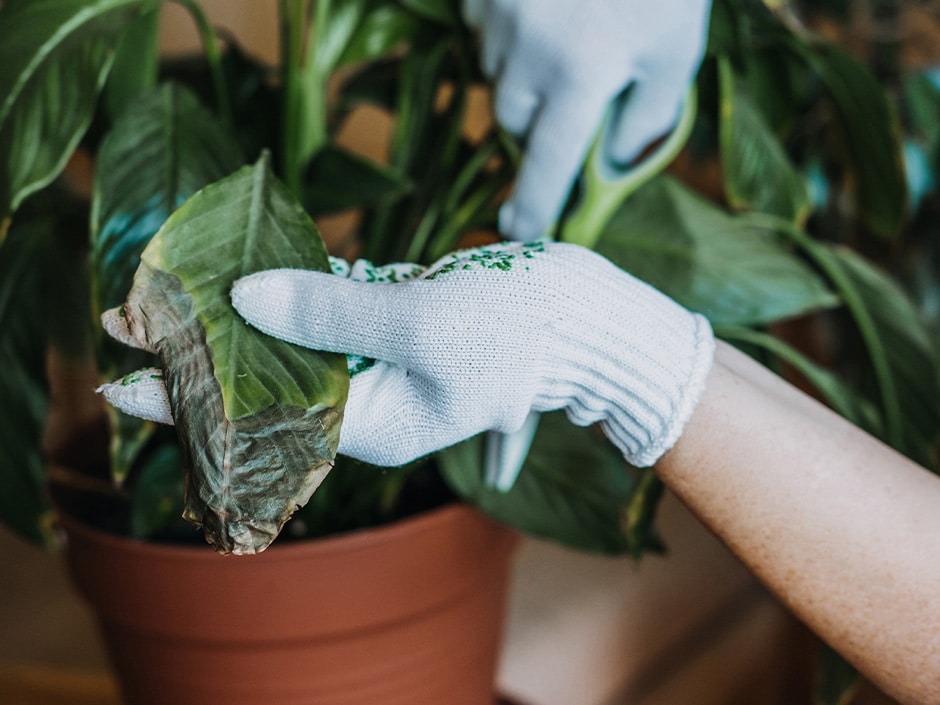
<point x="367" y="537"/>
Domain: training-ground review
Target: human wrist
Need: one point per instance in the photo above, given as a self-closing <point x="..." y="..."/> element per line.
<point x="637" y="366"/>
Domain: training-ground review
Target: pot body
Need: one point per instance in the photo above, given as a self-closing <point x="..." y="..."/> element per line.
<point x="406" y="614"/>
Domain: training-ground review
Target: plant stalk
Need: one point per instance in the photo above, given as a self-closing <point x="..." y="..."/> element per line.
<point x="890" y="402"/>
<point x="305" y="86"/>
<point x="214" y="57"/>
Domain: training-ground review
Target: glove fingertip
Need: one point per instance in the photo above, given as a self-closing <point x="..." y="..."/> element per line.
<point x="520" y="225"/>
<point x="649" y="112"/>
<point x="142" y="394"/>
<point x="115" y="325"/>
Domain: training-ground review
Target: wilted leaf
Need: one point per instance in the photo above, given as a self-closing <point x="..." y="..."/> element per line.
<point x="163" y="149"/>
<point x="258" y="418"/>
<point x="709" y="261"/>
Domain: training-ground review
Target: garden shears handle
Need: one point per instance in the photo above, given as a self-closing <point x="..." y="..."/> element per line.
<point x="603" y="187"/>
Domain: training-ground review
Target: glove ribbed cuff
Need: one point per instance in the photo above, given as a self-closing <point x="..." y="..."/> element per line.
<point x="640" y="374"/>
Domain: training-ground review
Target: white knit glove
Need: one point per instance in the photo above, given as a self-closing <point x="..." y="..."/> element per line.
<point x="558" y="64"/>
<point x="484" y="336"/>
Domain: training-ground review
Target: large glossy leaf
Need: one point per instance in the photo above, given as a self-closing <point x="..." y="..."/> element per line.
<point x="258" y="418"/>
<point x="758" y="173"/>
<point x="162" y="150"/>
<point x="55" y="57"/>
<point x="777" y="84"/>
<point x="709" y="261"/>
<point x="573" y="488"/>
<point x="725" y="35"/>
<point x="136" y="64"/>
<point x="23" y="392"/>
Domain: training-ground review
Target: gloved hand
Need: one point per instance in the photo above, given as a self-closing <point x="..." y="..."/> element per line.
<point x="558" y="65"/>
<point x="484" y="336"/>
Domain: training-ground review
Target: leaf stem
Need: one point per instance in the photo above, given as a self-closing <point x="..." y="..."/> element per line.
<point x="305" y="86"/>
<point x="824" y="259"/>
<point x="605" y="187"/>
<point x="214" y="57"/>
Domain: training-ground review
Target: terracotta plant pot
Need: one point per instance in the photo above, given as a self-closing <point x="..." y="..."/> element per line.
<point x="402" y="615"/>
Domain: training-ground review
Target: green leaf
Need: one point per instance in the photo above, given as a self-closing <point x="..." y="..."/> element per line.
<point x="382" y="27"/>
<point x="910" y="352"/>
<point x="639" y="514"/>
<point x="837" y="681"/>
<point x="157" y="497"/>
<point x="258" y="418"/>
<point x="902" y="354"/>
<point x="162" y="150"/>
<point x="777" y="83"/>
<point x="255" y="103"/>
<point x="758" y="174"/>
<point x="443" y="11"/>
<point x="374" y="83"/>
<point x="338" y="180"/>
<point x="136" y="64"/>
<point x="572" y="489"/>
<point x="55" y="55"/>
<point x="921" y="99"/>
<point x="870" y="135"/>
<point x="725" y="36"/>
<point x="24" y="506"/>
<point x="709" y="261"/>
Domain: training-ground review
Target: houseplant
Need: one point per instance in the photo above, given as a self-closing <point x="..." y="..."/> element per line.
<point x="778" y="109"/>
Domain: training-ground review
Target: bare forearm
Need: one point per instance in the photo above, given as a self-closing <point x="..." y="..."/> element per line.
<point x="842" y="528"/>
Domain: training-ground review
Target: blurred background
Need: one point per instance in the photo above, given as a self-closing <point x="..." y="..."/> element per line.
<point x="688" y="627"/>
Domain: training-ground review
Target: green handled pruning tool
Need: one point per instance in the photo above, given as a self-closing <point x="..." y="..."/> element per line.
<point x="603" y="187"/>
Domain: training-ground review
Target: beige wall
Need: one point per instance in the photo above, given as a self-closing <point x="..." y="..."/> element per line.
<point x="253" y="22"/>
